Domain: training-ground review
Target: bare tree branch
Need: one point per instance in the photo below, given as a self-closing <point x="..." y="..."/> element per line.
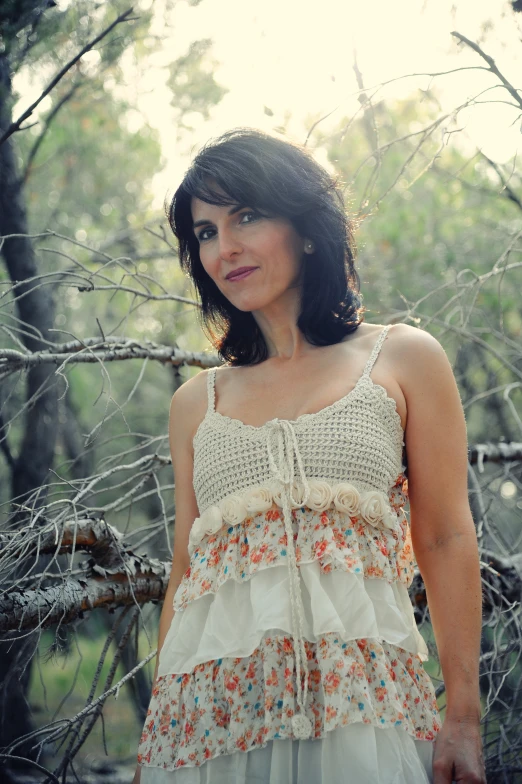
<point x="62" y="604"/>
<point x="506" y="188"/>
<point x="492" y="66"/>
<point x="115" y="576"/>
<point x="111" y="349"/>
<point x="48" y="121"/>
<point x="15" y="126"/>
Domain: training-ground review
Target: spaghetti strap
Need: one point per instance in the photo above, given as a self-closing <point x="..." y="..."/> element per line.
<point x="211" y="390"/>
<point x="376" y="349"/>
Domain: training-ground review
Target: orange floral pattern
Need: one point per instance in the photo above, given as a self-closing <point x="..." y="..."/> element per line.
<point x="233" y="704"/>
<point x="236" y="704"/>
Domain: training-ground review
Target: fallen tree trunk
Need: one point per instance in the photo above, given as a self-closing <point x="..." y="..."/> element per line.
<point x="115" y="576"/>
<point x="22" y="610"/>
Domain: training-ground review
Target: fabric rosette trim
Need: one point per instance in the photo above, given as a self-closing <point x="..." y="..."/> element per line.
<point x="372" y="506"/>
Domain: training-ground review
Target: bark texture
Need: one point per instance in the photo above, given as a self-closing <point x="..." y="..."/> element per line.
<point x="30" y="467"/>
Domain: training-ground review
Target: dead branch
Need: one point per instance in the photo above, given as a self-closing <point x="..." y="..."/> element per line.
<point x="501" y="586"/>
<point x="507" y="190"/>
<point x="501" y="452"/>
<point x="492" y="66"/>
<point x="75" y="742"/>
<point x="60" y="727"/>
<point x="111" y="349"/>
<point x="25" y="610"/>
<point x="32" y="764"/>
<point x="115" y="576"/>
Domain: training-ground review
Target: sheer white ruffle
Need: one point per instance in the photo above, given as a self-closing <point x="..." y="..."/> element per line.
<point x="356" y="754"/>
<point x="233" y="621"/>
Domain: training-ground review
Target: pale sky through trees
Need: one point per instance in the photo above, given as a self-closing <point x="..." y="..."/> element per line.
<point x="296" y="59"/>
<point x="282" y="54"/>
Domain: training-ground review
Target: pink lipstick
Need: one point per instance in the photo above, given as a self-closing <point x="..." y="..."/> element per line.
<point x="242" y="275"/>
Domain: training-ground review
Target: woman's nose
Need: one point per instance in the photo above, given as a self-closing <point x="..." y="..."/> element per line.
<point x="228" y="244"/>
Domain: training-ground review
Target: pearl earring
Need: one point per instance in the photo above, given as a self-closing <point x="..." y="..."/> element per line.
<point x="309" y="246"/>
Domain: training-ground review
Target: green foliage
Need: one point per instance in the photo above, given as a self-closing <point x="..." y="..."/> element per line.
<point x="46" y="36"/>
<point x="192" y="82"/>
<point x="60" y="685"/>
<point x="91" y="172"/>
<point x="21" y="21"/>
<point x="432" y="219"/>
<point x="91" y="181"/>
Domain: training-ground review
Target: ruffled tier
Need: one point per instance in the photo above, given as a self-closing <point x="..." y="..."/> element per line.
<point x="237" y="704"/>
<point x="353" y="754"/>
<point x="335" y="540"/>
<point x="233" y="621"/>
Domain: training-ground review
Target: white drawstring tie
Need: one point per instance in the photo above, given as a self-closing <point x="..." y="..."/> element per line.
<point x="283" y="470"/>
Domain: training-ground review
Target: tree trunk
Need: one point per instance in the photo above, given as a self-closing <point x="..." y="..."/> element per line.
<point x="30" y="468"/>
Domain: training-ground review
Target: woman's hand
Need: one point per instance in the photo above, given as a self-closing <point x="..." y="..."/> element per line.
<point x="458" y="753"/>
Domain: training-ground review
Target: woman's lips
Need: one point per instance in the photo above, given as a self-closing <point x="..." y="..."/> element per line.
<point x="242" y="275"/>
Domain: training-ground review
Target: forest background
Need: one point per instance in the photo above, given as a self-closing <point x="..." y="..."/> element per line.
<point x="101" y="107"/>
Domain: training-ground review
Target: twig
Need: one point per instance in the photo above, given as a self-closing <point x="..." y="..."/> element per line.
<point x="109" y="350"/>
<point x="15" y="126"/>
<point x="492" y="67"/>
<point x="36" y="146"/>
<point x="31" y="762"/>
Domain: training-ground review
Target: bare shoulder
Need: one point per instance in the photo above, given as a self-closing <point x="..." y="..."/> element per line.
<point x="412" y="337"/>
<point x="415" y="354"/>
<point x="188" y="407"/>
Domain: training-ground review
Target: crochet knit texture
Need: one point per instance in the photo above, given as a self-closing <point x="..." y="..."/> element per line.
<point x="300" y="563"/>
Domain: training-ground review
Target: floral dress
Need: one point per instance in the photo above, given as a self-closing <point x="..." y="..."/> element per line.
<point x="293" y="654"/>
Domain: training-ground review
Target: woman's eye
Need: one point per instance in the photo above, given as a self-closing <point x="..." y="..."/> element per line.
<point x="246" y="217"/>
<point x="204" y="234"/>
<point x="251" y="215"/>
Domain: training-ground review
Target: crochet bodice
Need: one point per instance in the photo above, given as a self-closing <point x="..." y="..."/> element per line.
<point x="358" y="438"/>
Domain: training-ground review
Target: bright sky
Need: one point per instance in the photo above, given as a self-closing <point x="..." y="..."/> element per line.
<point x="297" y="58"/>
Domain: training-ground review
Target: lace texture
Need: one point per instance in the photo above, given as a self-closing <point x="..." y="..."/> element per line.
<point x="358" y="438"/>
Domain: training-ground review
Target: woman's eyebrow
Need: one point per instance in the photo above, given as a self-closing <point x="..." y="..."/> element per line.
<point x="205" y="221"/>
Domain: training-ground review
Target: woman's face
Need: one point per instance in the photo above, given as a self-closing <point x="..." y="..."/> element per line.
<point x="231" y="237"/>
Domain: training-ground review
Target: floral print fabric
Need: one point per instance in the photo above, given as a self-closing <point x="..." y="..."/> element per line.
<point x="334" y="538"/>
<point x="235" y="704"/>
<point x="230" y="704"/>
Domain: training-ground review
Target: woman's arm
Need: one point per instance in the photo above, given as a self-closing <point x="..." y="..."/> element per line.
<point x="445" y="543"/>
<point x="183" y="414"/>
<point x="180" y="441"/>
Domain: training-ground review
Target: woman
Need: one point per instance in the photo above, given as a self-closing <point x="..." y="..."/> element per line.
<point x="286" y="630"/>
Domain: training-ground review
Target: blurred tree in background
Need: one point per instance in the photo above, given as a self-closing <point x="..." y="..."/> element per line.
<point x="75" y="179"/>
<point x="97" y="321"/>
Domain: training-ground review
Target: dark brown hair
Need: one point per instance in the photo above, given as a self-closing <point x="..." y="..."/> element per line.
<point x="269" y="174"/>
